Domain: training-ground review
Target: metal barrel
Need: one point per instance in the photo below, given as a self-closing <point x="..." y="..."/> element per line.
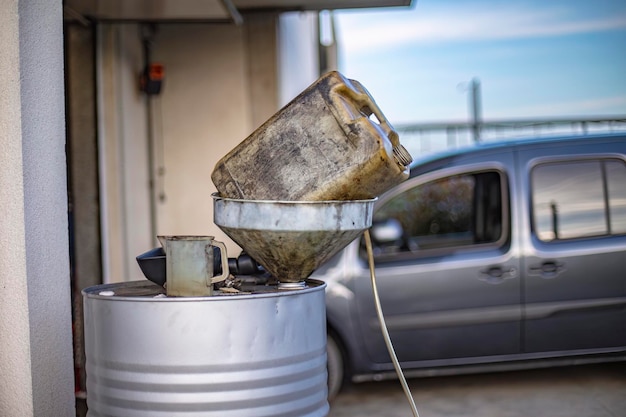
<point x="257" y="354"/>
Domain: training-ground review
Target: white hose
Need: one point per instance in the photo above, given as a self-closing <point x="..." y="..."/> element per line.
<point x="383" y="326"/>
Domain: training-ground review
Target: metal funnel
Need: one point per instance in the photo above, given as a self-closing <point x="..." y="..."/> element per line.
<point x="292" y="238"/>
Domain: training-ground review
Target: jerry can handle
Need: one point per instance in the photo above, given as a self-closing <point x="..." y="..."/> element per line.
<point x="368" y="106"/>
<point x="359" y="95"/>
<point x="225" y="270"/>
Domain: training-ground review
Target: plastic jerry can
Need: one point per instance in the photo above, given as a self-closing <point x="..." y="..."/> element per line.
<point x="323" y="145"/>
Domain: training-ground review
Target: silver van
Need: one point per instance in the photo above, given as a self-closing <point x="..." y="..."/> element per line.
<point x="502" y="256"/>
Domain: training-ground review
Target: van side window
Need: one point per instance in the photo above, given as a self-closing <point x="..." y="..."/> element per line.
<point x="452" y="212"/>
<point x="578" y="199"/>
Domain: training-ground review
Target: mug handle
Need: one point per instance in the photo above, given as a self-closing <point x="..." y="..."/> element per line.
<point x="225" y="270"/>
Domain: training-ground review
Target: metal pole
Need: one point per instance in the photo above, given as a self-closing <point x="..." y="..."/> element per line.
<point x="475" y="108"/>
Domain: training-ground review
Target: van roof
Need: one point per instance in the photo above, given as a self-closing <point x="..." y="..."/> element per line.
<point x="431" y="161"/>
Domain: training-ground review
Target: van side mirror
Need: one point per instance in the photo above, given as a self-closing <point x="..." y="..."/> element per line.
<point x="387" y="232"/>
<point x="388" y="238"/>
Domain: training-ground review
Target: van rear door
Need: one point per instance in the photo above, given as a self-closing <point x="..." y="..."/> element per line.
<point x="575" y="266"/>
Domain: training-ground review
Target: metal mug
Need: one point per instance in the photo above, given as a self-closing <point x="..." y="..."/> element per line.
<point x="189" y="265"/>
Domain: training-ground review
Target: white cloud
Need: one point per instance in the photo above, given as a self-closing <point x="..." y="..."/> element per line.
<point x="463" y="24"/>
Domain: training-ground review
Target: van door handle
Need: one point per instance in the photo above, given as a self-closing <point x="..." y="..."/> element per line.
<point x="496" y="274"/>
<point x="547" y="270"/>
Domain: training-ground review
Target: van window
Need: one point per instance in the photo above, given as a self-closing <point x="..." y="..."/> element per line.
<point x="578" y="199"/>
<point x="451" y="212"/>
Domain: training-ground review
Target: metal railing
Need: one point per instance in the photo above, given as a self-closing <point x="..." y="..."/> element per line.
<point x="425" y="138"/>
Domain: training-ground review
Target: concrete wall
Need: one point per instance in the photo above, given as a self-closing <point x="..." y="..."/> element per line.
<point x="222" y="81"/>
<point x="35" y="318"/>
<point x="123" y="152"/>
<point x="206" y="110"/>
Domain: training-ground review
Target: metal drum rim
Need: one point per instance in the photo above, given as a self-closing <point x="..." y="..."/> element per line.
<point x="93" y="293"/>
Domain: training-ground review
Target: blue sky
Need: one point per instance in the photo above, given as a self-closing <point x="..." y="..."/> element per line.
<point x="534" y="59"/>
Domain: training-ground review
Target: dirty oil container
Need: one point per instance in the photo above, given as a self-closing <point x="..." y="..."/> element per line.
<point x="323" y="145"/>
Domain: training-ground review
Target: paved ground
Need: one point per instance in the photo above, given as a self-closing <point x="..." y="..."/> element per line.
<point x="579" y="391"/>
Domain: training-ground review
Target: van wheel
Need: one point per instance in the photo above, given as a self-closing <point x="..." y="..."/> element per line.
<point x="335" y="366"/>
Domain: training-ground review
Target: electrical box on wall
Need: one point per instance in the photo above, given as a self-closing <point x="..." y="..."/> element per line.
<point x="151" y="79"/>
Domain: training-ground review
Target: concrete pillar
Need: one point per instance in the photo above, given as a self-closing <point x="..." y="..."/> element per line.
<point x="35" y="319"/>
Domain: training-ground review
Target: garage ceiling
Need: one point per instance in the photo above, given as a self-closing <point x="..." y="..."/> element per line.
<point x="204" y="10"/>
